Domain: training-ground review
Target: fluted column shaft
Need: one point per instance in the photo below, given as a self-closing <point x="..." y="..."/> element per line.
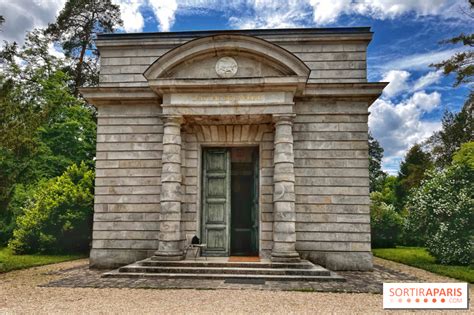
<point x="170" y="236"/>
<point x="284" y="215"/>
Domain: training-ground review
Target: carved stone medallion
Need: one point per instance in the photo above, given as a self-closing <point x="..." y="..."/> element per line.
<point x="226" y="67"/>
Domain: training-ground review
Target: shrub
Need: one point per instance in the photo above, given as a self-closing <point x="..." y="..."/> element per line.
<point x="386" y="223"/>
<point x="465" y="155"/>
<point x="59" y="216"/>
<point x="443" y="210"/>
<point x="21" y="196"/>
<point x="412" y="233"/>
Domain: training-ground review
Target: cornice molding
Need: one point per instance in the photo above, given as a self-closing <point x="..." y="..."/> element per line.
<point x="119" y="95"/>
<point x="369" y="90"/>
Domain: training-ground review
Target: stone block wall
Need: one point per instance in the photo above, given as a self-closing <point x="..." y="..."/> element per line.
<point x="332" y="183"/>
<point x="127" y="185"/>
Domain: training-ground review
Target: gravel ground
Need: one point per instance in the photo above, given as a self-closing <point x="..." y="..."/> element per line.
<point x="20" y="293"/>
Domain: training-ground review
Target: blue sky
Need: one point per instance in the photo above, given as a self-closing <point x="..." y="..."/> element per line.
<point x="405" y="42"/>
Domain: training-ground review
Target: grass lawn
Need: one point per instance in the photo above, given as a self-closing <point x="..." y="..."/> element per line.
<point x="420" y="258"/>
<point x="9" y="262"/>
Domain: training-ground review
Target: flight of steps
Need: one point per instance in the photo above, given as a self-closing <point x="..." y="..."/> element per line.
<point x="224" y="270"/>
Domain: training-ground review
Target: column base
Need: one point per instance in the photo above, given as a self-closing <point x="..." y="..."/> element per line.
<point x="285" y="257"/>
<point x="168" y="256"/>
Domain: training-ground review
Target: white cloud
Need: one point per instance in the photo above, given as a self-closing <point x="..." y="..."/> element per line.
<point x="397" y="126"/>
<point x="22" y="16"/>
<point x="398" y="82"/>
<point x="130" y="12"/>
<point x="269" y="14"/>
<point x="383" y="9"/>
<point x="296" y="13"/>
<point x="428" y="79"/>
<point x="164" y="12"/>
<point x="420" y="61"/>
<point x="326" y="11"/>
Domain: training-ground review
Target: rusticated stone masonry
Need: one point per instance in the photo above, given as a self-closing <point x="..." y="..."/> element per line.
<point x="284" y="215"/>
<point x="170" y="236"/>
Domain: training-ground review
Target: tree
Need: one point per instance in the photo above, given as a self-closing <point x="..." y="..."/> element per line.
<point x="75" y="30"/>
<point x="31" y="90"/>
<point x="465" y="155"/>
<point x="43" y="127"/>
<point x="44" y="148"/>
<point x="388" y="190"/>
<point x="412" y="171"/>
<point x="59" y="216"/>
<point x="457" y="129"/>
<point x="25" y="71"/>
<point x="376" y="175"/>
<point x="462" y="63"/>
<point x="385" y="222"/>
<point x="442" y="208"/>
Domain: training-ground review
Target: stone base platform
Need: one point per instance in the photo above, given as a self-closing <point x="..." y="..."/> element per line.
<point x="222" y="269"/>
<point x="356" y="281"/>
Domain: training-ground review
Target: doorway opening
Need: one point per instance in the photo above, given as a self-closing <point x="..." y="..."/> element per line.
<point x="230" y="201"/>
<point x="244" y="202"/>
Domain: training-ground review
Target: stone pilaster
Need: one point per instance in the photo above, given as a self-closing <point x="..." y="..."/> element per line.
<point x="284" y="215"/>
<point x="170" y="236"/>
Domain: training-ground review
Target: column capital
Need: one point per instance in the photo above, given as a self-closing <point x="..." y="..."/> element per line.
<point x="283" y="118"/>
<point x="172" y="119"/>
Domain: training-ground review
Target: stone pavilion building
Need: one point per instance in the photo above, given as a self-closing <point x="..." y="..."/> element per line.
<point x="253" y="140"/>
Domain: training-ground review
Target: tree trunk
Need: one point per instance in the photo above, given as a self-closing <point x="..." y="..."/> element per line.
<point x="79" y="70"/>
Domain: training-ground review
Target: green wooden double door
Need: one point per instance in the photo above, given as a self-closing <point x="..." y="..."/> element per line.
<point x="230" y="201"/>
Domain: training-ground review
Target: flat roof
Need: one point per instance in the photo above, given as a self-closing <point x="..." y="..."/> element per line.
<point x="254" y="32"/>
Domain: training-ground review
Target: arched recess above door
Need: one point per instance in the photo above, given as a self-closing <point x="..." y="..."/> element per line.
<point x="258" y="65"/>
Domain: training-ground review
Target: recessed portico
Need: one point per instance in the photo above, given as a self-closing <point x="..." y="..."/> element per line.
<point x="243" y="76"/>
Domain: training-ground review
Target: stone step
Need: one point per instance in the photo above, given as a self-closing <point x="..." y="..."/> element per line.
<point x="220" y="269"/>
<point x="304" y="264"/>
<point x="210" y="276"/>
<point x="225" y="270"/>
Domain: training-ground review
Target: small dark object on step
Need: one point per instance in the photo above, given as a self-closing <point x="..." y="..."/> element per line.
<point x="195" y="240"/>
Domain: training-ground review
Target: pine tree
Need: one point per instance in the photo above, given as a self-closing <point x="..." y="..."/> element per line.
<point x="462" y="63"/>
<point x="412" y="172"/>
<point x="457" y="129"/>
<point x="376" y="175"/>
<point x="75" y="30"/>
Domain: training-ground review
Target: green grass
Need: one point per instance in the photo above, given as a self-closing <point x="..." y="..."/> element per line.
<point x="420" y="258"/>
<point x="9" y="262"/>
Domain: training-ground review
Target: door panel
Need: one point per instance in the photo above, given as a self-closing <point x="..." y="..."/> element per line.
<point x="217" y="240"/>
<point x="217" y="185"/>
<point x="216" y="212"/>
<point x="216" y="201"/>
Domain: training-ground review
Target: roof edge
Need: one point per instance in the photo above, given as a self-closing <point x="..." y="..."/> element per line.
<point x="254" y="32"/>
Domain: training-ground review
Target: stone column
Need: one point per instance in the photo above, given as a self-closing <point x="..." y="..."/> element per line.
<point x="284" y="215"/>
<point x="170" y="236"/>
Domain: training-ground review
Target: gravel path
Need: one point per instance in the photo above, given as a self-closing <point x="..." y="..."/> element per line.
<point x="20" y="293"/>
